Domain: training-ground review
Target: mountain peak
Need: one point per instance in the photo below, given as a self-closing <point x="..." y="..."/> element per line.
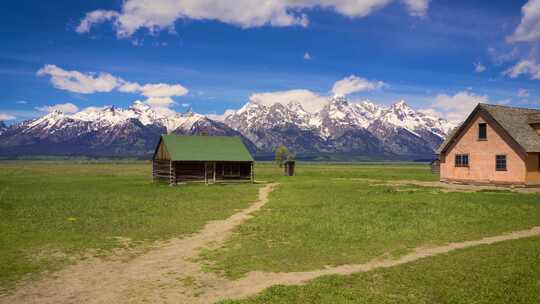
<point x="140" y="106"/>
<point x="339" y="100"/>
<point x="402" y="104"/>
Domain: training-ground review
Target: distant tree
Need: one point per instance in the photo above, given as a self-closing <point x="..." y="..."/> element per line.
<point x="281" y="155"/>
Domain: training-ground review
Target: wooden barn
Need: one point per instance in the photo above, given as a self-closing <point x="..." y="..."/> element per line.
<point x="209" y="159"/>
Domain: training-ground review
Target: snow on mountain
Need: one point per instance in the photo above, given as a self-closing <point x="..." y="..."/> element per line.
<point x="3" y="127"/>
<point x="402" y="115"/>
<point x="341" y="126"/>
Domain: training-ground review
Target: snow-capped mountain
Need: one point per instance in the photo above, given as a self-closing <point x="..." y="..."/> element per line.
<point x="3" y="127"/>
<point x="355" y="128"/>
<point x="341" y="126"/>
<point x="105" y="131"/>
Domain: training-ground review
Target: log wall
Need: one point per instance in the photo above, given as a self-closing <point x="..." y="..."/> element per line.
<point x="161" y="170"/>
<point x="209" y="172"/>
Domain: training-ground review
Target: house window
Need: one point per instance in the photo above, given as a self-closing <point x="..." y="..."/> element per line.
<point x="462" y="160"/>
<point x="482" y="131"/>
<point x="500" y="162"/>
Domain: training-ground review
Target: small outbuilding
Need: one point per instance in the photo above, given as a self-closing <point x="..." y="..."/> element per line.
<point x="209" y="159"/>
<point x="288" y="167"/>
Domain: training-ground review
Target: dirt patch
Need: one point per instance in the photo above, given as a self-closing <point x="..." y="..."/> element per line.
<point x="449" y="187"/>
<point x="170" y="273"/>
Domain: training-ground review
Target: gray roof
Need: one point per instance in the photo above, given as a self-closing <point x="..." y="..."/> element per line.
<point x="516" y="121"/>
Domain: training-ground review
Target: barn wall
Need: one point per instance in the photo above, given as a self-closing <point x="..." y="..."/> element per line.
<point x="482" y="157"/>
<point x="161" y="170"/>
<point x="162" y="153"/>
<point x="224" y="171"/>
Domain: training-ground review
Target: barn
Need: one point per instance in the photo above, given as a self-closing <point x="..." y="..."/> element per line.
<point x="208" y="159"/>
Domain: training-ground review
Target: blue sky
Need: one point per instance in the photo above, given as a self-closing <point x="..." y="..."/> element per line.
<point x="223" y="52"/>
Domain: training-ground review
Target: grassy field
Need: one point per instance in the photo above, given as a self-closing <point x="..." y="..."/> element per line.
<point x="503" y="273"/>
<point x="51" y="213"/>
<point x="329" y="215"/>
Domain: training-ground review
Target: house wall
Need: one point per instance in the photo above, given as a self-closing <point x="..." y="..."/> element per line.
<point x="533" y="169"/>
<point x="482" y="157"/>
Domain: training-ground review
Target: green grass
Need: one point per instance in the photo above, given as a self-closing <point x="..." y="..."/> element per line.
<point x="323" y="217"/>
<point x="507" y="272"/>
<point x="51" y="213"/>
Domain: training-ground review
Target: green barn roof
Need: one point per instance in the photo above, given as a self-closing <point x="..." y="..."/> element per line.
<point x="206" y="148"/>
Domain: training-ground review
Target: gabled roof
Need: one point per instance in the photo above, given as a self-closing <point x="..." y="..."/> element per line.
<point x="206" y="148"/>
<point x="515" y="121"/>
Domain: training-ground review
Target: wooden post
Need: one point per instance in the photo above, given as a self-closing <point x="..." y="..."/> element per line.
<point x="205" y="173"/>
<point x="171" y="173"/>
<point x="252" y="173"/>
<point x="214" y="172"/>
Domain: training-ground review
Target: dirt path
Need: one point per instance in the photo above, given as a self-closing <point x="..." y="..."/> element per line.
<point x="164" y="274"/>
<point x="168" y="274"/>
<point x="463" y="187"/>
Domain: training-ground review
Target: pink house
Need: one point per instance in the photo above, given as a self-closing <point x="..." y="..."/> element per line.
<point x="495" y="145"/>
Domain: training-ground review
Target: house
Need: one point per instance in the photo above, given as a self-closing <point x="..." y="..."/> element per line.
<point x="209" y="159"/>
<point x="495" y="145"/>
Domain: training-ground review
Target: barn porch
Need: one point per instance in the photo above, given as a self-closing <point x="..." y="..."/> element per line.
<point x="208" y="159"/>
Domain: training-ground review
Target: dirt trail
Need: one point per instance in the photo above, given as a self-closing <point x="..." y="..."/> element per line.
<point x="464" y="187"/>
<point x="160" y="275"/>
<point x="168" y="274"/>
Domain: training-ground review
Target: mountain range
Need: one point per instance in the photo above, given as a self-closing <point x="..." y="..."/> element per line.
<point x="352" y="129"/>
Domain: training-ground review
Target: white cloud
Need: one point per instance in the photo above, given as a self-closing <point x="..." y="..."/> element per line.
<point x="417" y="7"/>
<point x="160" y="15"/>
<point x="307" y="56"/>
<point x="163" y="90"/>
<point x="67" y="108"/>
<point x="159" y="95"/>
<point x="21" y="102"/>
<point x="456" y="108"/>
<point x="354" y="84"/>
<point x="312" y="101"/>
<point x="479" y="67"/>
<point x="529" y="28"/>
<point x="502" y="56"/>
<point x="75" y="81"/>
<point x="4" y="117"/>
<point x="309" y="100"/>
<point x="523" y="93"/>
<point x="524" y="67"/>
<point x="95" y="17"/>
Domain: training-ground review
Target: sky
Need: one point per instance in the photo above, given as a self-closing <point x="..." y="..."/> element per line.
<point x="213" y="55"/>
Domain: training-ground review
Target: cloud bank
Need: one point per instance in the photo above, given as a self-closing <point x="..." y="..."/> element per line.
<point x="158" y="95"/>
<point x="456" y="108"/>
<point x="158" y="15"/>
<point x="4" y="117"/>
<point x="312" y="101"/>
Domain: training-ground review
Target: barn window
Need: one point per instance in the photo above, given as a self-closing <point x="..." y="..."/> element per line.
<point x="500" y="162"/>
<point x="462" y="160"/>
<point x="231" y="171"/>
<point x="482" y="131"/>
